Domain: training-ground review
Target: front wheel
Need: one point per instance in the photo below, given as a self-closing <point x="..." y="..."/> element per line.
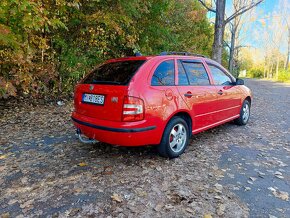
<point x="244" y="114"/>
<point x="175" y="138"/>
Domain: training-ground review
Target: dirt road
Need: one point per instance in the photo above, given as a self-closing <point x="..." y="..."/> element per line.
<point x="229" y="171"/>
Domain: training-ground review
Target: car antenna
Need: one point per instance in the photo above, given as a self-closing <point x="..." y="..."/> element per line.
<point x="137" y="54"/>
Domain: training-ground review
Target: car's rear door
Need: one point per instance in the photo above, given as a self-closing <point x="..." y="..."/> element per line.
<point x="195" y="88"/>
<point x="229" y="95"/>
<point x="162" y="93"/>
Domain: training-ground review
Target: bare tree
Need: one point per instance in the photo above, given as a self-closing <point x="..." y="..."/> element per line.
<point x="221" y="21"/>
<point x="237" y="27"/>
<point x="288" y="50"/>
<point x="287" y="21"/>
<point x="233" y="29"/>
<point x="273" y="35"/>
<point x="283" y="11"/>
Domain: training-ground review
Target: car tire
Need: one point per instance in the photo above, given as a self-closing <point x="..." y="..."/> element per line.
<point x="244" y="114"/>
<point x="175" y="138"/>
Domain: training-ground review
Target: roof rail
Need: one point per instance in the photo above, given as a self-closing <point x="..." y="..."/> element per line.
<point x="181" y="53"/>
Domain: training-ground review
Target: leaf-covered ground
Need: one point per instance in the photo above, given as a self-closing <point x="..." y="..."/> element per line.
<point x="229" y="171"/>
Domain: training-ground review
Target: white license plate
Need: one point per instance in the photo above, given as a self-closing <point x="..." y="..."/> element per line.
<point x="93" y="99"/>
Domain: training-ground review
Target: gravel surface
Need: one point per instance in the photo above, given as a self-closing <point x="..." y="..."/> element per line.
<point x="229" y="171"/>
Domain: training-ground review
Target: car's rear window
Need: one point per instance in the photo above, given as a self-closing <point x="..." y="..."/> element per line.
<point x="119" y="73"/>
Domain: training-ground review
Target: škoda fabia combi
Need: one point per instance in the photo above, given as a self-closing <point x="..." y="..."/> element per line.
<point x="158" y="100"/>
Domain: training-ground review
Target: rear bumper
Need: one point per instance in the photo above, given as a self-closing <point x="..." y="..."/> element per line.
<point x="119" y="133"/>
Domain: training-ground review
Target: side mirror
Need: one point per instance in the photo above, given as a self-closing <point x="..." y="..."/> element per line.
<point x="240" y="81"/>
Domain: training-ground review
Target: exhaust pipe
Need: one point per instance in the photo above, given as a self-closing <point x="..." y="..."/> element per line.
<point x="85" y="140"/>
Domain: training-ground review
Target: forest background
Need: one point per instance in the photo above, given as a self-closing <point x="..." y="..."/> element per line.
<point x="47" y="46"/>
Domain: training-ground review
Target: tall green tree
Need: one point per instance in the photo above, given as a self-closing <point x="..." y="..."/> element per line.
<point x="47" y="46"/>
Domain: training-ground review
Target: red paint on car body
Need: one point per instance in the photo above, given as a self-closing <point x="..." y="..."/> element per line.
<point x="136" y="112"/>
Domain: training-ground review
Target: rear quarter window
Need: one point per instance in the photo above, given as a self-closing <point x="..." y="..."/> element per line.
<point x="118" y="73"/>
<point x="164" y="74"/>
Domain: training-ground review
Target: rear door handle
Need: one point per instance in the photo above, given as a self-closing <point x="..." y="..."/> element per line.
<point x="220" y="92"/>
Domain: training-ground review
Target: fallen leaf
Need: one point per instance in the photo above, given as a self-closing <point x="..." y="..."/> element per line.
<point x="117" y="198"/>
<point x="279" y="194"/>
<point x="82" y="164"/>
<point x="5" y="215"/>
<point x="271" y="189"/>
<point x="261" y="175"/>
<point x="282" y="195"/>
<point x="74" y="212"/>
<point x="207" y="216"/>
<point x="218" y="186"/>
<point x="107" y="172"/>
<point x="142" y="193"/>
<point x="2" y="157"/>
<point x="280" y="177"/>
<point x="158" y="207"/>
<point x="26" y="204"/>
<point x="159" y="168"/>
<point x="253" y="179"/>
<point x="189" y="210"/>
<point x="221" y="209"/>
<point x="12" y="201"/>
<point x="168" y="207"/>
<point x="277" y="173"/>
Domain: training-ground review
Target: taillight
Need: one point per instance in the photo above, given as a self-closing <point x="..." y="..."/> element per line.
<point x="133" y="109"/>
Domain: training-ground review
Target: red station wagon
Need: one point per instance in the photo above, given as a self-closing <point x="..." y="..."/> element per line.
<point x="158" y="100"/>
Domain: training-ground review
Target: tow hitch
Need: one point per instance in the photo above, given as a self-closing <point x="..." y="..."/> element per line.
<point x="85" y="140"/>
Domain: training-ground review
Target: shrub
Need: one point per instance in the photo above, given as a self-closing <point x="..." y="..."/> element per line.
<point x="255" y="73"/>
<point x="284" y="76"/>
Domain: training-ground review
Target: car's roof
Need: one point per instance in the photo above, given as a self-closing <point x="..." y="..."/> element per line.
<point x="130" y="58"/>
<point x="152" y="56"/>
<point x="166" y="57"/>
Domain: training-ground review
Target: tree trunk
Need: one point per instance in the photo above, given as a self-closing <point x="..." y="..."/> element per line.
<point x="271" y="71"/>
<point x="217" y="47"/>
<point x="237" y="66"/>
<point x="277" y="68"/>
<point x="288" y="53"/>
<point x="265" y="70"/>
<point x="232" y="50"/>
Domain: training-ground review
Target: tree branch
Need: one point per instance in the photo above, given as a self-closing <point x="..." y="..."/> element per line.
<point x="242" y="10"/>
<point x="227" y="44"/>
<point x="244" y="46"/>
<point x="208" y="8"/>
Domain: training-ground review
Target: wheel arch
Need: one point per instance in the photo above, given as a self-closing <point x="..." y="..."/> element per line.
<point x="184" y="115"/>
<point x="249" y="99"/>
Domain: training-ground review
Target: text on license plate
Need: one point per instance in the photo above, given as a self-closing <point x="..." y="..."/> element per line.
<point x="94" y="99"/>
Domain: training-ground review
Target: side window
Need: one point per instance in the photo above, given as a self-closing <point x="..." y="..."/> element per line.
<point x="164" y="74"/>
<point x="219" y="77"/>
<point x="182" y="77"/>
<point x="196" y="73"/>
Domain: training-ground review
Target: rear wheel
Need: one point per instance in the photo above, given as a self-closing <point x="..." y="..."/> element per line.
<point x="175" y="138"/>
<point x="244" y="114"/>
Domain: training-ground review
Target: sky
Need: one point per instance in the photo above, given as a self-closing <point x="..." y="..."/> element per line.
<point x="268" y="5"/>
<point x="256" y="21"/>
<point x="262" y="16"/>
